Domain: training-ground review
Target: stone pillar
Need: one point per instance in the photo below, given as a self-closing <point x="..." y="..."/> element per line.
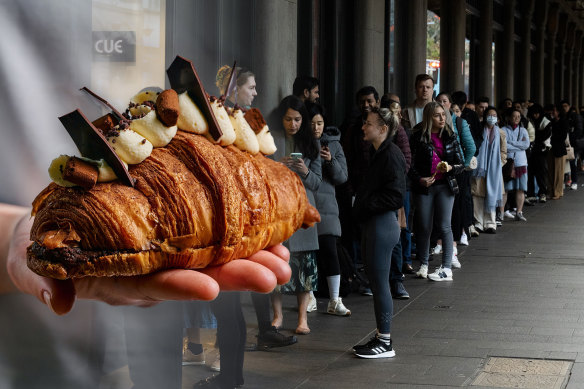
<point x="538" y="75"/>
<point x="575" y="98"/>
<point x="505" y="50"/>
<point x="569" y="62"/>
<point x="552" y="31"/>
<point x="561" y="58"/>
<point x="485" y="52"/>
<point x="524" y="59"/>
<point x="452" y="32"/>
<point x="275" y="48"/>
<point x="369" y="44"/>
<point x="410" y="33"/>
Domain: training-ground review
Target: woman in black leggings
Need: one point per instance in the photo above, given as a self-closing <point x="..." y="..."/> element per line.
<point x="378" y="199"/>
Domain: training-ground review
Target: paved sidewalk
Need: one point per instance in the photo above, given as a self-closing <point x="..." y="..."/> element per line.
<point x="520" y="293"/>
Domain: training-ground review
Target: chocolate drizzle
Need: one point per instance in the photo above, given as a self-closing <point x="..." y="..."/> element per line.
<point x="183" y="77"/>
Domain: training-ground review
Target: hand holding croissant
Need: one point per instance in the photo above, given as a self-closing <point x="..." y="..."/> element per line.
<point x="268" y="267"/>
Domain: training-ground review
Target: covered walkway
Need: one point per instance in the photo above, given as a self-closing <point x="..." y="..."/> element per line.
<point x="520" y="294"/>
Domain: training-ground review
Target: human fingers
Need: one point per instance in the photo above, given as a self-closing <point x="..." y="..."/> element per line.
<point x="59" y="296"/>
<point x="172" y="284"/>
<point x="275" y="263"/>
<point x="242" y="274"/>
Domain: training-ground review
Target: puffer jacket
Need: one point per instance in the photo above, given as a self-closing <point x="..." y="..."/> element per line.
<point x="334" y="172"/>
<point x="422" y="153"/>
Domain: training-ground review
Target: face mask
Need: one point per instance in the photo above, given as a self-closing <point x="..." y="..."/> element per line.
<point x="491" y="120"/>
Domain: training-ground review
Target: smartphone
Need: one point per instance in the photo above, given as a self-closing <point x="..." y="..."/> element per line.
<point x="295" y="155"/>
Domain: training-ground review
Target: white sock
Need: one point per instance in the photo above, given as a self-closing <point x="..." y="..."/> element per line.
<point x="383" y="337"/>
<point x="334" y="283"/>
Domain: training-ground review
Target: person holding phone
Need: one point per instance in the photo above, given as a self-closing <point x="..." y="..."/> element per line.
<point x="298" y="149"/>
<point x="334" y="172"/>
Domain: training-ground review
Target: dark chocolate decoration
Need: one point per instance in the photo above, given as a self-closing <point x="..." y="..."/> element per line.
<point x="102" y="100"/>
<point x="92" y="144"/>
<point x="231" y="83"/>
<point x="183" y="77"/>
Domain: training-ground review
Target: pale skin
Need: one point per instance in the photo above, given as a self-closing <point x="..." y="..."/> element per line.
<point x="260" y="272"/>
<point x="292" y="121"/>
<point x="246" y="92"/>
<point x="424" y="90"/>
<point x="317" y="124"/>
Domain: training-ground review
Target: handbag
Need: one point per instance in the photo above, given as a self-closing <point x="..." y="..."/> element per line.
<point x="509" y="170"/>
<point x="570" y="153"/>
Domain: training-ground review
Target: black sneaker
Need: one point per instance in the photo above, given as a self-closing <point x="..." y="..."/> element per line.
<point x="273" y="338"/>
<point x="375" y="348"/>
<point x="398" y="291"/>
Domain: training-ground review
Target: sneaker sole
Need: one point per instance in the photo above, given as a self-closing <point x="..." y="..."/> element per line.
<point x="440" y="279"/>
<point x="193" y="363"/>
<point x="339" y="314"/>
<point x="387" y="354"/>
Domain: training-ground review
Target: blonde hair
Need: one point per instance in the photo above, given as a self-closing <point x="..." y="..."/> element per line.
<point x="222" y="78"/>
<point x="389" y="118"/>
<point x="427" y="115"/>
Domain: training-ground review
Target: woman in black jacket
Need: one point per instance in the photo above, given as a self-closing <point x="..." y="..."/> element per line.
<point x="436" y="159"/>
<point x="560" y="128"/>
<point x="377" y="201"/>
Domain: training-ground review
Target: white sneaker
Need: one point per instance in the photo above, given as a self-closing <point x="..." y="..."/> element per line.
<point x="311" y="303"/>
<point x="216" y="365"/>
<point x="423" y="272"/>
<point x="574" y="187"/>
<point x="441" y="274"/>
<point x="437" y="250"/>
<point x="455" y="262"/>
<point x="463" y="239"/>
<point x="454" y="251"/>
<point x="336" y="307"/>
<point x="473" y="231"/>
<point x="509" y="215"/>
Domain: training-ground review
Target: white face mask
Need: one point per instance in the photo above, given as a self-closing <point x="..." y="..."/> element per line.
<point x="491" y="120"/>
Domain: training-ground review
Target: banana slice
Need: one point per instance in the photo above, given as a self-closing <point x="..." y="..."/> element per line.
<point x="148" y="95"/>
<point x="151" y="128"/>
<point x="245" y="138"/>
<point x="191" y="118"/>
<point x="56" y="169"/>
<point x="130" y="146"/>
<point x="106" y="173"/>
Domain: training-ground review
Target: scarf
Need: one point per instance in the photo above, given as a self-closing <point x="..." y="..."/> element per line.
<point x="489" y="167"/>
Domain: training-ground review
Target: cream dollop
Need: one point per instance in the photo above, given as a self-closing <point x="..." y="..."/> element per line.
<point x="191" y="118"/>
<point x="245" y="138"/>
<point x="130" y="146"/>
<point x="266" y="141"/>
<point x="150" y="127"/>
<point x="57" y="167"/>
<point x="222" y="117"/>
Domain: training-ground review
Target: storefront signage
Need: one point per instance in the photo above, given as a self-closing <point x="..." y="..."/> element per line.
<point x="114" y="46"/>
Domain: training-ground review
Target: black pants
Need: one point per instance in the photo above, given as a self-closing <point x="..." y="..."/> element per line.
<point x="261" y="304"/>
<point x="537" y="170"/>
<point x="231" y="335"/>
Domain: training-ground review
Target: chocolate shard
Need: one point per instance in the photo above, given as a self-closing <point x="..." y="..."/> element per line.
<point x="183" y="77"/>
<point x="80" y="173"/>
<point x="92" y="144"/>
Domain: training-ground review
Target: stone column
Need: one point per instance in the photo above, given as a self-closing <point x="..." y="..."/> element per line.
<point x="485" y="52"/>
<point x="561" y="59"/>
<point x="569" y="62"/>
<point x="275" y="48"/>
<point x="369" y="44"/>
<point x="552" y="31"/>
<point x="410" y="33"/>
<point x="505" y="50"/>
<point x="538" y="75"/>
<point x="575" y="98"/>
<point x="452" y="29"/>
<point x="524" y="59"/>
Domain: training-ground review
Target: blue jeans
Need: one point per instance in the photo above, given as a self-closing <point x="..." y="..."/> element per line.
<point x="434" y="208"/>
<point x="379" y="235"/>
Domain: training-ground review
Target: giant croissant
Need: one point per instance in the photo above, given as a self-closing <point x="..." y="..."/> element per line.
<point x="194" y="204"/>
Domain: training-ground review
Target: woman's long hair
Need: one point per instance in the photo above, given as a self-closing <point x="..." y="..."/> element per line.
<point x="304" y="138"/>
<point x="429" y="110"/>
